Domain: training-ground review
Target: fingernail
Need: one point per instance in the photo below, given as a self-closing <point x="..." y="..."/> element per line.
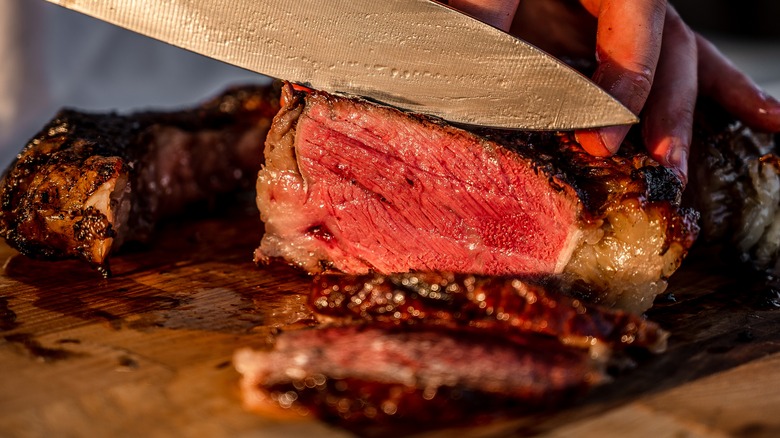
<point x="612" y="137"/>
<point x="770" y="102"/>
<point x="677" y="159"/>
<point x="630" y="88"/>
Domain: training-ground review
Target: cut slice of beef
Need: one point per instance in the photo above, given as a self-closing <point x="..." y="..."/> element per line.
<point x="355" y="187"/>
<point x="409" y="380"/>
<point x="89" y="182"/>
<point x="490" y="305"/>
<point x="432" y="350"/>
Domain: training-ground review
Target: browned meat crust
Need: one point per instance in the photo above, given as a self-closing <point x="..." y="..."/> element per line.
<point x="437" y="347"/>
<point x="89" y="182"/>
<point x="735" y="184"/>
<point x="495" y="305"/>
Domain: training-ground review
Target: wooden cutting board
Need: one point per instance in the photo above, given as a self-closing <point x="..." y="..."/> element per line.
<point x="148" y="352"/>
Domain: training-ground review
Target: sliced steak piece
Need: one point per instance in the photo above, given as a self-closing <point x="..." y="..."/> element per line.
<point x="356" y="187"/>
<point x="366" y="378"/>
<point x="408" y="352"/>
<point x="493" y="305"/>
<point x="89" y="182"/>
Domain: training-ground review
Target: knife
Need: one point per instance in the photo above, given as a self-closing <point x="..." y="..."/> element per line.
<point x="418" y="55"/>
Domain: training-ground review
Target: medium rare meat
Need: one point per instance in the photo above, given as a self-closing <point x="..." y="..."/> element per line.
<point x="89" y="182"/>
<point x="492" y="305"/>
<point x="355" y="187"/>
<point x="366" y="378"/>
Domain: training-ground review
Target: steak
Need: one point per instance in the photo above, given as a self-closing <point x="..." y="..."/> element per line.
<point x="434" y="350"/>
<point x="436" y="197"/>
<point x="87" y="183"/>
<point x="367" y="379"/>
<point x="461" y="241"/>
<point x="355" y="187"/>
<point x="493" y="305"/>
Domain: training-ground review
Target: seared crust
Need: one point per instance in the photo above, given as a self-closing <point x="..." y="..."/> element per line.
<point x="736" y="187"/>
<point x="88" y="182"/>
<point x="496" y="305"/>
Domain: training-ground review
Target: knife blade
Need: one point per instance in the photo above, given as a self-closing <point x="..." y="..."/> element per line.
<point x="418" y="55"/>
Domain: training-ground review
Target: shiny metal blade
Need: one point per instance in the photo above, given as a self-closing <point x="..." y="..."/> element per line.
<point x="415" y="54"/>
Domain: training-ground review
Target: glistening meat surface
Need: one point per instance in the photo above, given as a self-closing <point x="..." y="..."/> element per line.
<point x="355" y="187"/>
<point x="428" y="350"/>
<point x="87" y="183"/>
<point x="447" y="203"/>
<point x="495" y="305"/>
<point x="735" y="184"/>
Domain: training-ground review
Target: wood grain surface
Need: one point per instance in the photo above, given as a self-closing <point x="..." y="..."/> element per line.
<point x="148" y="352"/>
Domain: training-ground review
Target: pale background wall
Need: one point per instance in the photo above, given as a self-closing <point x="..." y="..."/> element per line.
<point x="52" y="57"/>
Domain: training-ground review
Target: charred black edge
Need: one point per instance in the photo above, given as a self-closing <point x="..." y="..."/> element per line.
<point x="609" y="325"/>
<point x="467" y="406"/>
<point x="113" y="135"/>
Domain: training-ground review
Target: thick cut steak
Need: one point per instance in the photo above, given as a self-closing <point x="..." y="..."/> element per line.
<point x="356" y="187"/>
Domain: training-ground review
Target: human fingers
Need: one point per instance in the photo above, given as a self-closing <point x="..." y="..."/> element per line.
<point x="668" y="115"/>
<point x="561" y="28"/>
<point x="628" y="44"/>
<point x="498" y="13"/>
<point x="734" y="90"/>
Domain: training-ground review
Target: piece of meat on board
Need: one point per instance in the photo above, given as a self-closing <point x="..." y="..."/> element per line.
<point x="365" y="378"/>
<point x="490" y="305"/>
<point x="89" y="182"/>
<point x="352" y="186"/>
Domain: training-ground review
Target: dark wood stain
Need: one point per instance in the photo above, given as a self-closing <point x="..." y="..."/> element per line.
<point x="7" y="316"/>
<point x="37" y="351"/>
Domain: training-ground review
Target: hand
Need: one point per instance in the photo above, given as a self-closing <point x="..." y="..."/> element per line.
<point x="648" y="59"/>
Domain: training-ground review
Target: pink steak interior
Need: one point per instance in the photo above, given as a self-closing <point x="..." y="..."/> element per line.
<point x="393" y="193"/>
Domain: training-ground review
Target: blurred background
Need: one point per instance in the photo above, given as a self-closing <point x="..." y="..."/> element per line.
<point x="747" y="31"/>
<point x="54" y="58"/>
<point x="746" y="18"/>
